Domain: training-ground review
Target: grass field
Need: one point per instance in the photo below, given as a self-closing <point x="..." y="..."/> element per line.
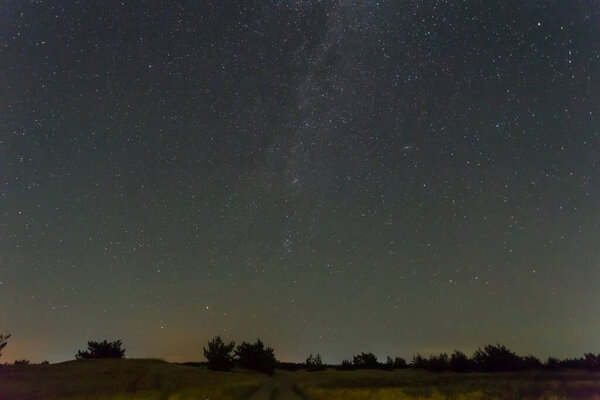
<point x="422" y="385"/>
<point x="123" y="380"/>
<point x="158" y="380"/>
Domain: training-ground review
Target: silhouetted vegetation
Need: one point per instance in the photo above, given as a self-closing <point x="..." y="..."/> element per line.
<point x="346" y="365"/>
<point x="314" y="363"/>
<point x="102" y="349"/>
<point x="365" y="360"/>
<point x="22" y="362"/>
<point x="219" y="354"/>
<point x="290" y="366"/>
<point x="256" y="357"/>
<point x="492" y="358"/>
<point x="3" y="342"/>
<point x="459" y="362"/>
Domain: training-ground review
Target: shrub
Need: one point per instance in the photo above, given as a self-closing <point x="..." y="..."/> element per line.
<point x="346" y="365"/>
<point x="45" y="362"/>
<point x="22" y="362"/>
<point x="438" y="363"/>
<point x="219" y="354"/>
<point x="314" y="363"/>
<point x="496" y="359"/>
<point x="459" y="362"/>
<point x="365" y="360"/>
<point x="419" y="361"/>
<point x="256" y="357"/>
<point x="399" y="362"/>
<point x="102" y="349"/>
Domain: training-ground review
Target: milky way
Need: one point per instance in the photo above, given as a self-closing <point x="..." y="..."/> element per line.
<point x="330" y="176"/>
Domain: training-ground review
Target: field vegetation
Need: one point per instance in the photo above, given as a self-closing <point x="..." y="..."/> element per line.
<point x="116" y="379"/>
<point x="414" y="384"/>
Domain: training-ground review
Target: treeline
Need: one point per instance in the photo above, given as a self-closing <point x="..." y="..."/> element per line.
<point x="256" y="356"/>
<point x="492" y="358"/>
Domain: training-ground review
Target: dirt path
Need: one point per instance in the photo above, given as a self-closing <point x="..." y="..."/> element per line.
<point x="279" y="387"/>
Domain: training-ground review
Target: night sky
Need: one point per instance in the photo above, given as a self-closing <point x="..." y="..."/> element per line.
<point x="330" y="176"/>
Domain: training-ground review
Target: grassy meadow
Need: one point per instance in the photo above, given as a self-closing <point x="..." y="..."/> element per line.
<point x="123" y="380"/>
<point x="159" y="380"/>
<point x="410" y="384"/>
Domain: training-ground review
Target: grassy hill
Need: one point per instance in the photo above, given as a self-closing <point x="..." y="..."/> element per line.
<point x="123" y="379"/>
<point x="158" y="380"/>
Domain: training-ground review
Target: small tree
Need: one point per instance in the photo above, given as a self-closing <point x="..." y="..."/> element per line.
<point x="438" y="363"/>
<point x="399" y="362"/>
<point x="256" y="356"/>
<point x="102" y="349"/>
<point x="219" y="354"/>
<point x="3" y="340"/>
<point x="365" y="360"/>
<point x="459" y="362"/>
<point x="419" y="361"/>
<point x="496" y="358"/>
<point x="314" y="363"/>
<point x="346" y="365"/>
<point x="22" y="362"/>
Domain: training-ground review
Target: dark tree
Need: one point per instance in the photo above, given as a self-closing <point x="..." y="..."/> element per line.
<point x="102" y="349"/>
<point x="591" y="361"/>
<point x="256" y="356"/>
<point x="496" y="359"/>
<point x="399" y="362"/>
<point x="346" y="365"/>
<point x="438" y="363"/>
<point x="3" y="340"/>
<point x="419" y="361"/>
<point x="552" y="363"/>
<point x="314" y="363"/>
<point x="365" y="360"/>
<point x="219" y="354"/>
<point x="22" y="362"/>
<point x="531" y="362"/>
<point x="459" y="362"/>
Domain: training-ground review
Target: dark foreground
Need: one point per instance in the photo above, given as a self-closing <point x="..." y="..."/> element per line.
<point x="152" y="379"/>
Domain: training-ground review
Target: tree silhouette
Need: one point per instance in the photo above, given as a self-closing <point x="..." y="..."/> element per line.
<point x="102" y="349"/>
<point x="438" y="363"/>
<point x="256" y="356"/>
<point x="219" y="354"/>
<point x="419" y="361"/>
<point x="459" y="362"/>
<point x="496" y="358"/>
<point x="3" y="340"/>
<point x="314" y="363"/>
<point x="399" y="362"/>
<point x="365" y="360"/>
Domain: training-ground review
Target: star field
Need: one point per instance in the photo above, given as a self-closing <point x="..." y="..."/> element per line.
<point x="329" y="176"/>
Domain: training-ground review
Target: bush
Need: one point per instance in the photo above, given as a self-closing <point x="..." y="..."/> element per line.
<point x="399" y="363"/>
<point x="419" y="361"/>
<point x="366" y="360"/>
<point x="314" y="363"/>
<point x="22" y="362"/>
<point x="103" y="349"/>
<point x="346" y="365"/>
<point x="459" y="362"/>
<point x="496" y="359"/>
<point x="438" y="363"/>
<point x="219" y="354"/>
<point x="45" y="362"/>
<point x="256" y="357"/>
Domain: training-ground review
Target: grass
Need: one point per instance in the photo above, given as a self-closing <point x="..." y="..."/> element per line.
<point x="159" y="380"/>
<point x="123" y="380"/>
<point x="422" y="385"/>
